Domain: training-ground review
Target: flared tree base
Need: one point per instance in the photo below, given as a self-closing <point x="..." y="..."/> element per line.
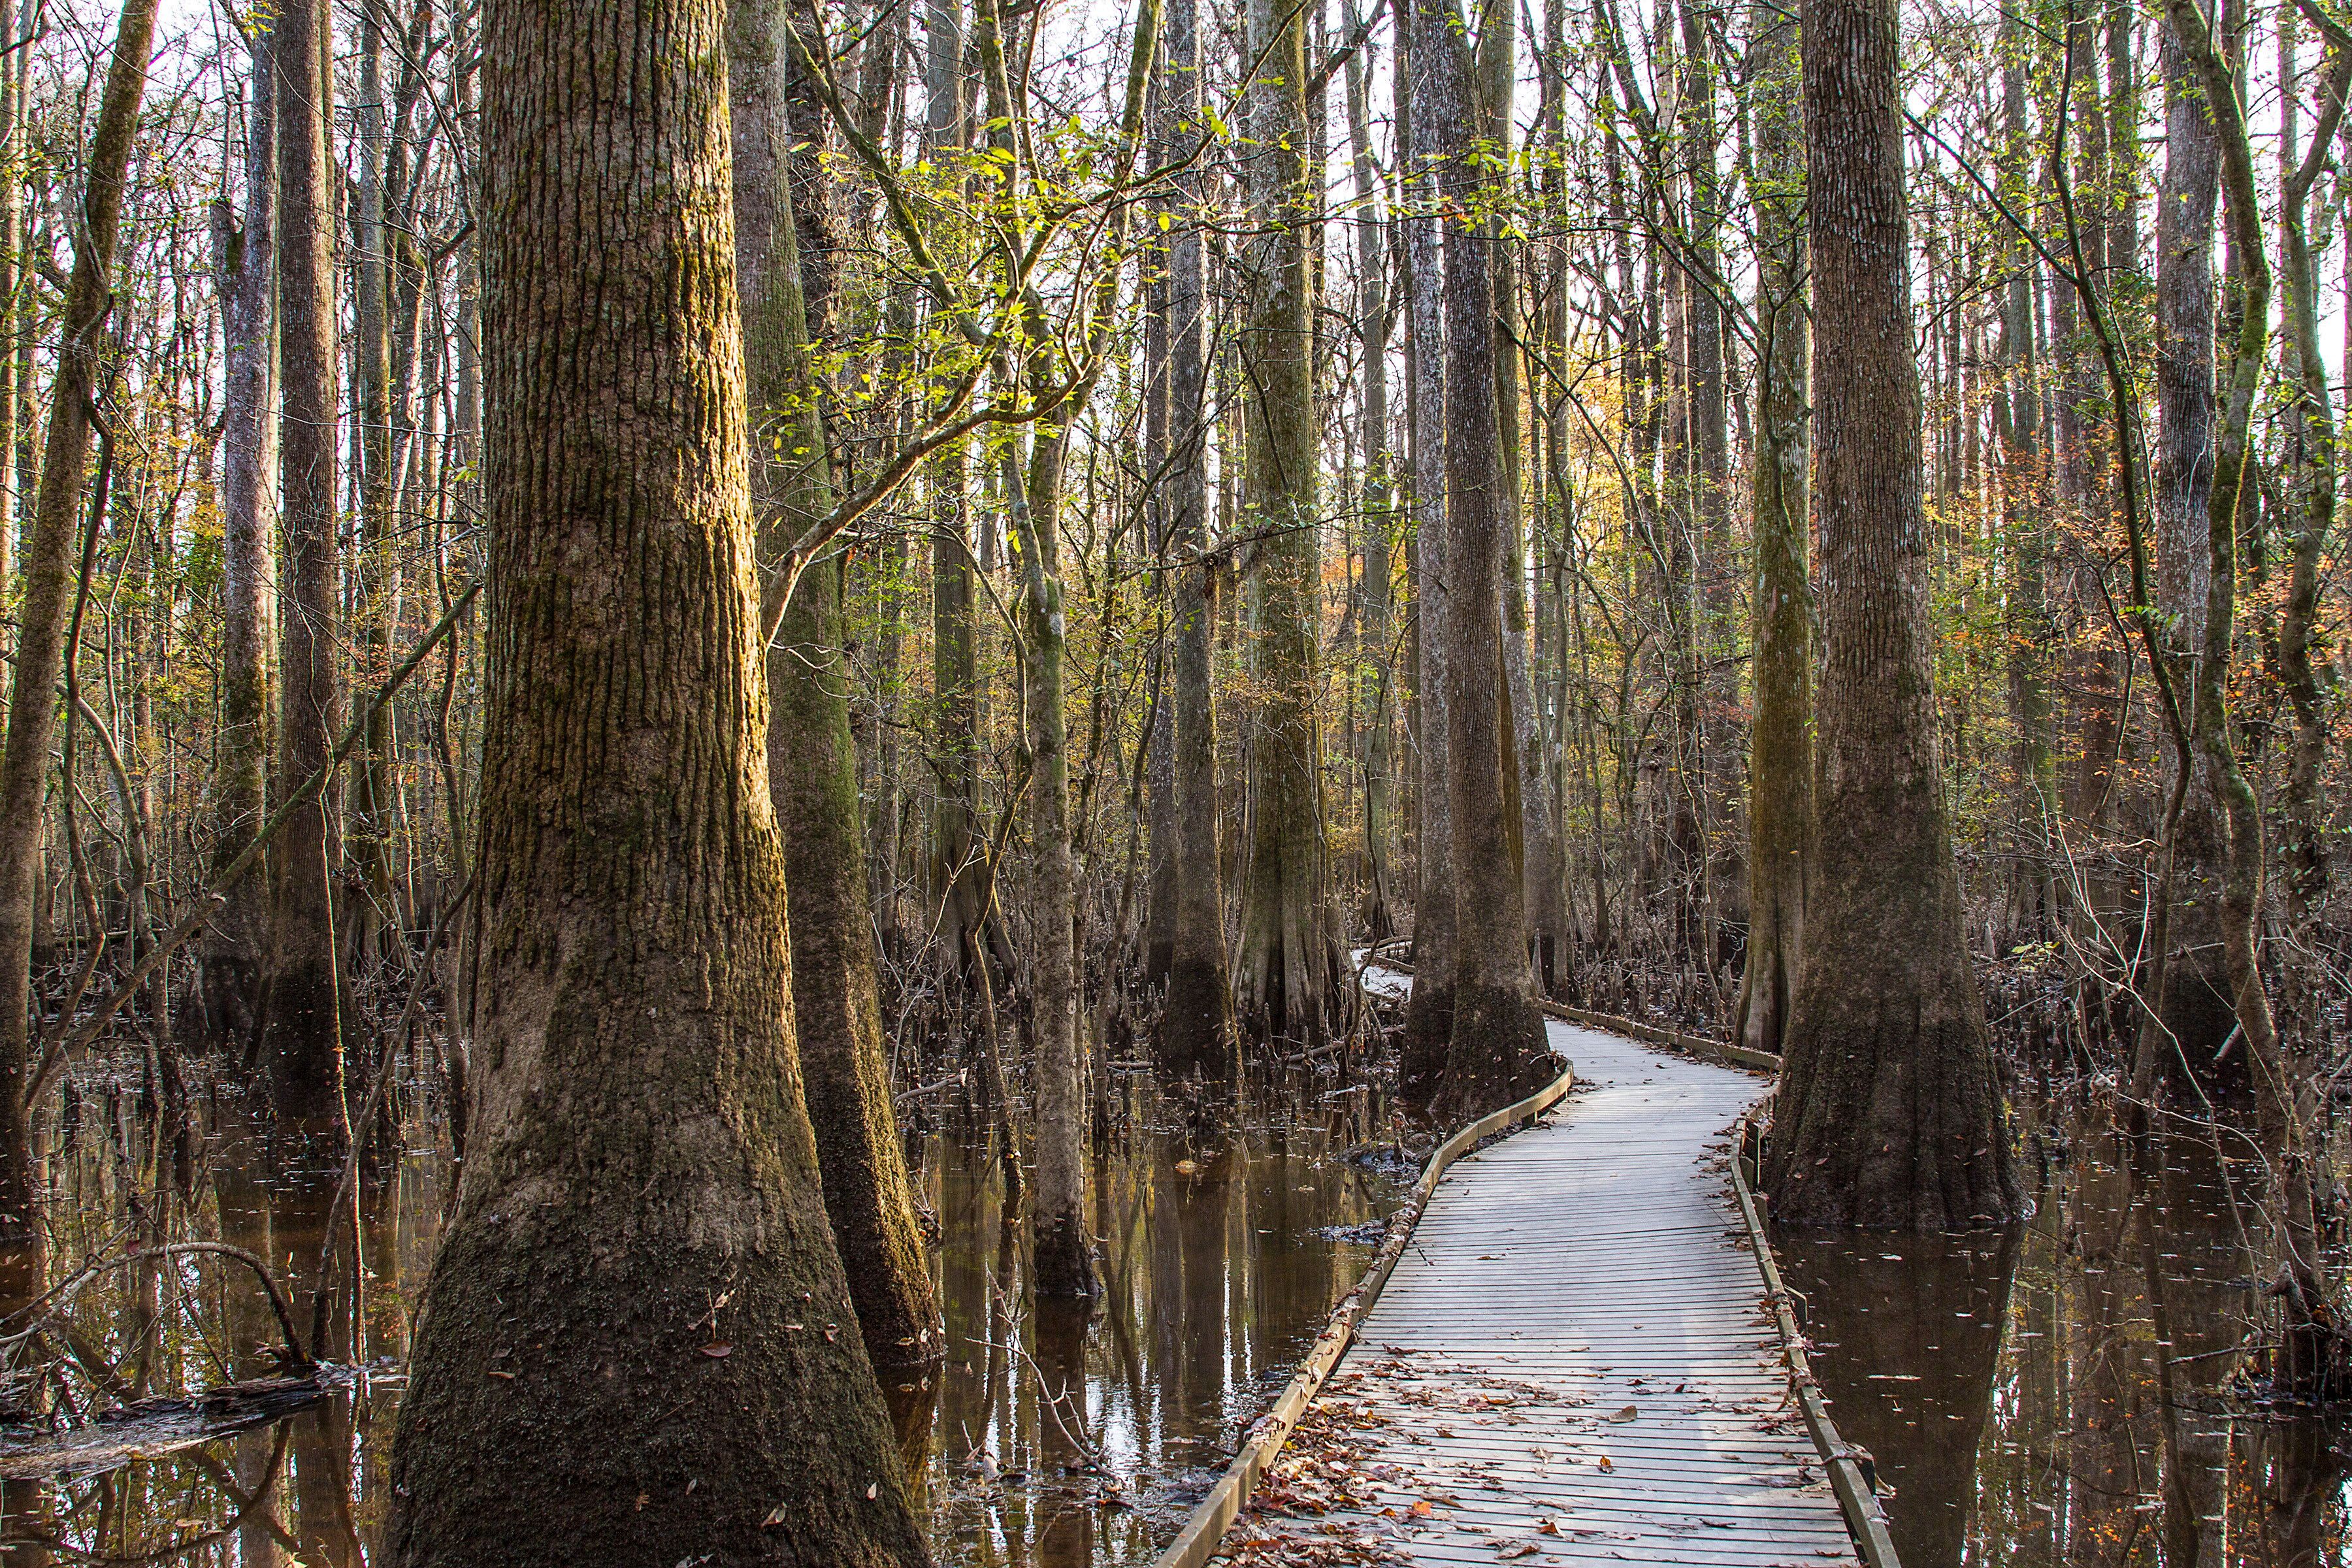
<point x="1497" y="1055"/>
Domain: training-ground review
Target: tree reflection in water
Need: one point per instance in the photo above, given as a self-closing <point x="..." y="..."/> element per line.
<point x="1227" y="1231"/>
<point x="2067" y="1393"/>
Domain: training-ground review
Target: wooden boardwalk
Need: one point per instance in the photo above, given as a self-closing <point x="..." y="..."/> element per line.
<point x="1571" y="1362"/>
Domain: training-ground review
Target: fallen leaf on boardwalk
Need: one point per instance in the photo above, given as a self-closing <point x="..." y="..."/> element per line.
<point x="719" y="1352"/>
<point x="1547" y="1527"/>
<point x="1631" y="1411"/>
<point x="1605" y="1464"/>
<point x="1420" y="1509"/>
<point x="1516" y="1548"/>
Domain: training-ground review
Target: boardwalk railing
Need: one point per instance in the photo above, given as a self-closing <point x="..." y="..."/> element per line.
<point x="1852" y="1483"/>
<point x="1217" y="1511"/>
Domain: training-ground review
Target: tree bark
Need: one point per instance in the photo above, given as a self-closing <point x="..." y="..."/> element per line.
<point x="1890" y="1110"/>
<point x="812" y="757"/>
<point x="301" y="1002"/>
<point x="1429" y="1012"/>
<point x="1781" y="757"/>
<point x="2195" y="1006"/>
<point x="51" y="553"/>
<point x="634" y="1338"/>
<point x="1496" y="1051"/>
<point x="1377" y="598"/>
<point x="1287" y="972"/>
<point x="1197" y="1031"/>
<point x="245" y="268"/>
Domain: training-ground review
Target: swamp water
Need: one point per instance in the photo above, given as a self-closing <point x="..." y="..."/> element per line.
<point x="2011" y="1384"/>
<point x="1223" y="1247"/>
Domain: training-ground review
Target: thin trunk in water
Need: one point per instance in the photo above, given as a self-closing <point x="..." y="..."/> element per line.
<point x="51" y="553"/>
<point x="301" y="1008"/>
<point x="2311" y="1362"/>
<point x="1197" y="1027"/>
<point x="2195" y="1006"/>
<point x="245" y="269"/>
<point x="636" y="1332"/>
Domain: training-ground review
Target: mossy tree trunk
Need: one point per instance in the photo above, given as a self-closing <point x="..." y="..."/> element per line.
<point x="812" y="757"/>
<point x="1890" y="1110"/>
<point x="636" y="1343"/>
<point x="52" y="548"/>
<point x="245" y="267"/>
<point x="302" y="1008"/>
<point x="1287" y="974"/>
<point x="1781" y="754"/>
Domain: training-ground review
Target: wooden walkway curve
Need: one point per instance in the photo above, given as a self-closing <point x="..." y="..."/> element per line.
<point x="1571" y="1362"/>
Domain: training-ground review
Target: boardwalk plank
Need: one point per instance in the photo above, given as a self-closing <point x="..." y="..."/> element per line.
<point x="1590" y="1263"/>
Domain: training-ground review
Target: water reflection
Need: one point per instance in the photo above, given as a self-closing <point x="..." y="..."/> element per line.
<point x="2067" y="1393"/>
<point x="1049" y="1435"/>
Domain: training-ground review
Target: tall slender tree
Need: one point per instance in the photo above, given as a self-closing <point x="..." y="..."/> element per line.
<point x="1781" y="754"/>
<point x="301" y="1002"/>
<point x="1197" y="1025"/>
<point x="245" y="267"/>
<point x="629" y="1346"/>
<point x="51" y="550"/>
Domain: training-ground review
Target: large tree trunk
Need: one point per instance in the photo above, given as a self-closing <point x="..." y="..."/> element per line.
<point x="1496" y="1051"/>
<point x="1287" y="971"/>
<point x="245" y="265"/>
<point x="812" y="758"/>
<point x="1780" y="759"/>
<point x="50" y="554"/>
<point x="1197" y="1025"/>
<point x="300" y="1009"/>
<point x="1890" y="1111"/>
<point x="635" y="1340"/>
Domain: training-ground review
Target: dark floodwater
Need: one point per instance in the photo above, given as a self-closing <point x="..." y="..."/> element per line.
<point x="1224" y="1249"/>
<point x="2013" y="1385"/>
<point x="2010" y="1385"/>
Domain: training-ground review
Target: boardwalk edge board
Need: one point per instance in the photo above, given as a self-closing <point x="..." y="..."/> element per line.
<point x="1205" y="1530"/>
